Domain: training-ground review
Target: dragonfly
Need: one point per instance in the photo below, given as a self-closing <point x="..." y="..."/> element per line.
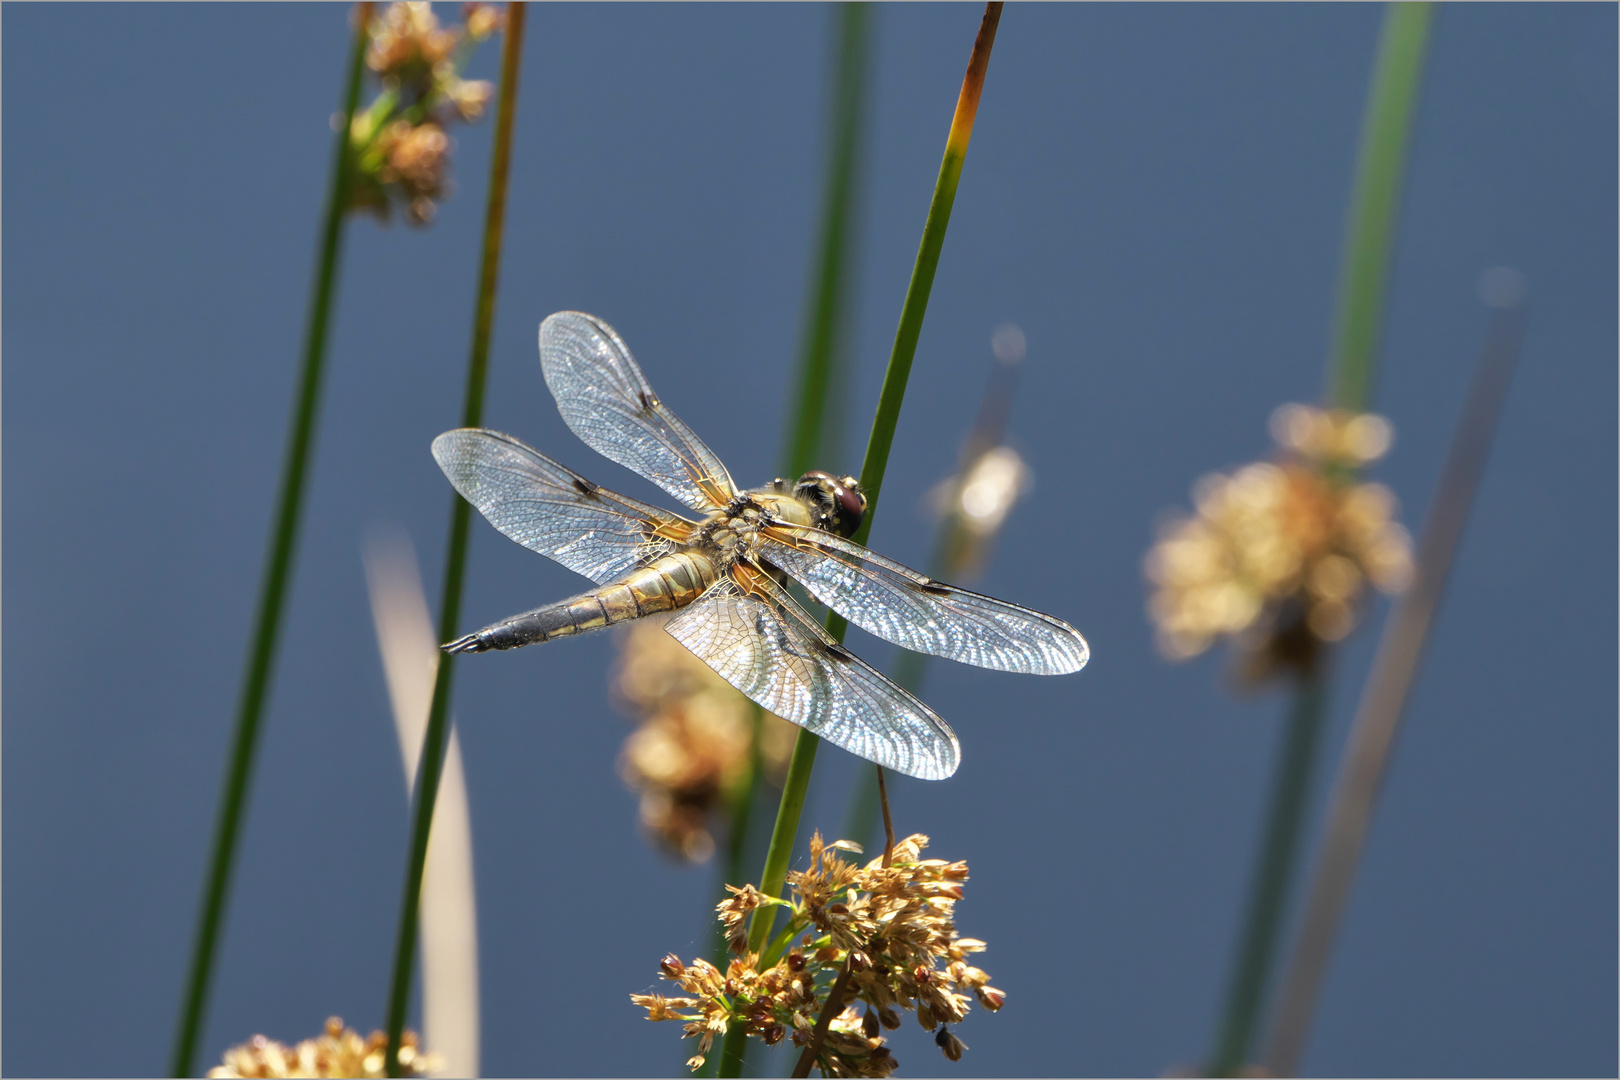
<point x="724" y="571"/>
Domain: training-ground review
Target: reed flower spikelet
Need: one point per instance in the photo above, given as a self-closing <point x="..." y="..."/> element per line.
<point x="886" y="935"/>
<point x="693" y="747"/>
<point x="401" y="144"/>
<point x="1280" y="552"/>
<point x="339" y="1051"/>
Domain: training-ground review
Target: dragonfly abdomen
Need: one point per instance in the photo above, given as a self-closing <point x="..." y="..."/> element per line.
<point x="665" y="584"/>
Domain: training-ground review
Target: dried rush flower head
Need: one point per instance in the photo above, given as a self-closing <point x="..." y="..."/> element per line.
<point x="693" y="748"/>
<point x="339" y="1052"/>
<point x="888" y="931"/>
<point x="1280" y="552"/>
<point x="402" y="150"/>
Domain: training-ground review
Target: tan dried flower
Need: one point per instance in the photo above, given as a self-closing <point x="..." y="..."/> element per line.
<point x="887" y="932"/>
<point x="402" y="150"/>
<point x="1280" y="552"/>
<point x="340" y="1051"/>
<point x="693" y="749"/>
<point x="407" y="43"/>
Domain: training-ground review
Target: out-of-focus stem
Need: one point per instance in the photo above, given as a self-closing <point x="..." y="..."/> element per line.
<point x="950" y="559"/>
<point x="828" y="303"/>
<point x="426" y="788"/>
<point x="1272" y="871"/>
<point x="1358" y="323"/>
<point x="1370" y="231"/>
<point x="872" y="469"/>
<point x="1383" y="699"/>
<point x="277" y="573"/>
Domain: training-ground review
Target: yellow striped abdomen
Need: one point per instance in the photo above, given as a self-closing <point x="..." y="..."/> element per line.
<point x="670" y="582"/>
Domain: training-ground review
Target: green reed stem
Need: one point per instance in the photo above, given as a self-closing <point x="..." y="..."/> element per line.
<point x="277" y="574"/>
<point x="878" y="445"/>
<point x="1290" y="784"/>
<point x="1370" y="230"/>
<point x="426" y="788"/>
<point x="1358" y="321"/>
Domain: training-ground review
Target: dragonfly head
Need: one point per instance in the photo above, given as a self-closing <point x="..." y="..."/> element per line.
<point x="836" y="502"/>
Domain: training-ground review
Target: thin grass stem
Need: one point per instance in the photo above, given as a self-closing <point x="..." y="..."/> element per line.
<point x="431" y="762"/>
<point x="1358" y="321"/>
<point x="878" y="445"/>
<point x="277" y="573"/>
<point x="1383" y="698"/>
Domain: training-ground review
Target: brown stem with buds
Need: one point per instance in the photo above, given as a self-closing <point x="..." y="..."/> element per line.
<point x="835" y="999"/>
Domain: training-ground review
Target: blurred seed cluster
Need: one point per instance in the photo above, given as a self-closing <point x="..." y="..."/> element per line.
<point x="340" y="1051"/>
<point x="692" y="751"/>
<point x="400" y="142"/>
<point x="885" y="934"/>
<point x="1280" y="552"/>
<point x="974" y="504"/>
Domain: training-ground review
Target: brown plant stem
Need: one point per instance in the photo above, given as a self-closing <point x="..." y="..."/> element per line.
<point x="888" y="824"/>
<point x="834" y="1006"/>
<point x="431" y="762"/>
<point x="1383" y="699"/>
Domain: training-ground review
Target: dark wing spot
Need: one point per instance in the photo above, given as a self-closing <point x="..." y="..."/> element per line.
<point x="838" y="652"/>
<point x="929" y="585"/>
<point x="584" y="486"/>
<point x="648" y="401"/>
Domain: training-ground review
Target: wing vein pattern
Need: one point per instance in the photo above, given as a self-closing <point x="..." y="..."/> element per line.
<point x="900" y="605"/>
<point x="777" y="656"/>
<point x="548" y="507"/>
<point x="606" y="401"/>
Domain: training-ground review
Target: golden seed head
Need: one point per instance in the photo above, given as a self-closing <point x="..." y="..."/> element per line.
<point x="339" y="1051"/>
<point x="1281" y="548"/>
<point x="890" y="929"/>
<point x="693" y="747"/>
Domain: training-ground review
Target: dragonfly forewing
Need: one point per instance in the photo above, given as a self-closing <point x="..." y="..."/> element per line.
<point x="606" y="400"/>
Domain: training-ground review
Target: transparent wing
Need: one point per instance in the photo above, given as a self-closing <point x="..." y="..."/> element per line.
<point x="606" y="400"/>
<point x="900" y="605"/>
<point x="549" y="508"/>
<point x="777" y="656"/>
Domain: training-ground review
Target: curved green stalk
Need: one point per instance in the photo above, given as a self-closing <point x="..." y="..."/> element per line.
<point x="1363" y="283"/>
<point x="431" y="761"/>
<point x="277" y="574"/>
<point x="821" y="353"/>
<point x="872" y="469"/>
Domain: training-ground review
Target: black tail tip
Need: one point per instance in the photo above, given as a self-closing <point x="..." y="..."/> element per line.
<point x="470" y="643"/>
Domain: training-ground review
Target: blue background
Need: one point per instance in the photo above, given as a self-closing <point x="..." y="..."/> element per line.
<point x="1155" y="193"/>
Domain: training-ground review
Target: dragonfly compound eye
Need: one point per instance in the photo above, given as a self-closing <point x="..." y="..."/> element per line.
<point x="851" y="505"/>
